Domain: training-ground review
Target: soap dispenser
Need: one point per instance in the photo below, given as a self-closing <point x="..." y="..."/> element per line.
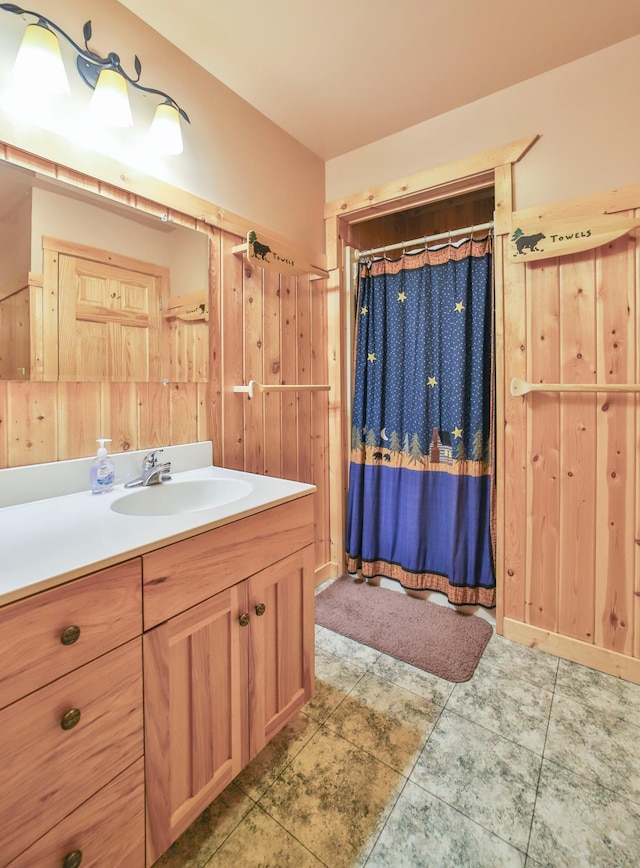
<point x="102" y="472"/>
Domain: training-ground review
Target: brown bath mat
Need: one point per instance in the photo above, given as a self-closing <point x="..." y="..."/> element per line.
<point x="426" y="635"/>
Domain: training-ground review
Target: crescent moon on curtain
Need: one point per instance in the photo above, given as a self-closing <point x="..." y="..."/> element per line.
<point x="383" y="433"/>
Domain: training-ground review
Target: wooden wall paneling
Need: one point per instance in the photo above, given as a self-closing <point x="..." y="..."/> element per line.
<point x="616" y="473"/>
<point x="578" y="450"/>
<point x="211" y="421"/>
<point x="500" y="419"/>
<point x="50" y="325"/>
<point x="203" y="402"/>
<point x="170" y="351"/>
<point x="303" y="375"/>
<point x="512" y="520"/>
<point x="338" y="234"/>
<point x="4" y="425"/>
<point x="198" y="352"/>
<point x="154" y="415"/>
<point x="289" y="375"/>
<point x="187" y="343"/>
<point x="119" y="416"/>
<point x="320" y="422"/>
<point x="271" y="373"/>
<point x="36" y="326"/>
<point x="543" y="490"/>
<point x="503" y="198"/>
<point x="79" y="419"/>
<point x="184" y="412"/>
<point x="254" y="351"/>
<point x="32" y="409"/>
<point x="233" y="267"/>
<point x="18" y="317"/>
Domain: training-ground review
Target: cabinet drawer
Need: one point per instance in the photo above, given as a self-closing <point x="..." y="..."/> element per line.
<point x="47" y="771"/>
<point x="105" y="606"/>
<point x="186" y="573"/>
<point x="107" y="830"/>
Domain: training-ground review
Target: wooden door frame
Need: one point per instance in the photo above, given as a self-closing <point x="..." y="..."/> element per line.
<point x="483" y="170"/>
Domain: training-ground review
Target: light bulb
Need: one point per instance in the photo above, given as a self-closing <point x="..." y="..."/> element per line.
<point x="110" y="100"/>
<point x="39" y="65"/>
<point x="165" y="134"/>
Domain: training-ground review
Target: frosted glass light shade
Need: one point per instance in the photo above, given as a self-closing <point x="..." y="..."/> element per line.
<point x="165" y="134"/>
<point x="39" y="65"/>
<point x="110" y="100"/>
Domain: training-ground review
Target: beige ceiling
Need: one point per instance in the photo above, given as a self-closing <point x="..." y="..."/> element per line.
<point x="339" y="74"/>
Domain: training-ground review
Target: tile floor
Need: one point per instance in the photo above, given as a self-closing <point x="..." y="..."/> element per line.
<point x="534" y="761"/>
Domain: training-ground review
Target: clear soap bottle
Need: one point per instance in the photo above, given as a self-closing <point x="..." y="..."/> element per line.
<point x="102" y="472"/>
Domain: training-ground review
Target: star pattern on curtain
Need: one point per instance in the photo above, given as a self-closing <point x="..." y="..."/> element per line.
<point x="420" y="485"/>
<point x="425" y="328"/>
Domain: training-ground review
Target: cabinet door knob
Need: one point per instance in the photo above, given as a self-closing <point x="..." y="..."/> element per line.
<point x="70" y="719"/>
<point x="260" y="609"/>
<point x="244" y="619"/>
<point x="70" y="635"/>
<point x="73" y="859"/>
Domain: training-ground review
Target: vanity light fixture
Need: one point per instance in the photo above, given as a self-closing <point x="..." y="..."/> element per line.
<point x="39" y="65"/>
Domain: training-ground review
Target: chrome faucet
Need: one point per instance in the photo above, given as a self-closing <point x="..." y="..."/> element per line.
<point x="153" y="473"/>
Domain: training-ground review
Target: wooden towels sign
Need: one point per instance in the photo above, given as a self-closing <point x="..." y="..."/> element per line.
<point x="530" y="241"/>
<point x="190" y="307"/>
<point x="273" y="256"/>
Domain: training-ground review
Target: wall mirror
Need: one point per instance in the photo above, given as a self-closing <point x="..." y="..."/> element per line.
<point x="94" y="290"/>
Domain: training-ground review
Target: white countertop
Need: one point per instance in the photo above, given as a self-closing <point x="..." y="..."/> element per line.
<point x="44" y="543"/>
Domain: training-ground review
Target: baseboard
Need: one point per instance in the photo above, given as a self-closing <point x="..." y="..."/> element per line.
<point x="602" y="659"/>
<point x="326" y="571"/>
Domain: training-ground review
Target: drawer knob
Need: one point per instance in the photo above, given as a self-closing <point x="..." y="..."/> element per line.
<point x="70" y="719"/>
<point x="73" y="859"/>
<point x="260" y="609"/>
<point x="244" y="619"/>
<point x="70" y="635"/>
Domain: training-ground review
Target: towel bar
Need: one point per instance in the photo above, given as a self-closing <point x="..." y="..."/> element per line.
<point x="254" y="386"/>
<point x="521" y="387"/>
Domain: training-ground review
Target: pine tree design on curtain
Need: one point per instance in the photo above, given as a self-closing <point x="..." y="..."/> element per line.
<point x="421" y="482"/>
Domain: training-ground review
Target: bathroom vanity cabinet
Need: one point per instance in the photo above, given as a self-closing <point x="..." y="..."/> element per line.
<point x="212" y="635"/>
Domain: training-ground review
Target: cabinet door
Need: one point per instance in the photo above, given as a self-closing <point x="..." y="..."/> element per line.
<point x="281" y="641"/>
<point x="195" y="713"/>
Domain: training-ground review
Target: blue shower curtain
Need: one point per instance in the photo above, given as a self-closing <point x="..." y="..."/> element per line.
<point x="421" y="482"/>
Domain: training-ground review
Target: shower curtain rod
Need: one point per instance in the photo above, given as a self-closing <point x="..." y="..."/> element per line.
<point x="358" y="254"/>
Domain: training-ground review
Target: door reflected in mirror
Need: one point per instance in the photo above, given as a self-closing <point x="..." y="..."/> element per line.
<point x="91" y="290"/>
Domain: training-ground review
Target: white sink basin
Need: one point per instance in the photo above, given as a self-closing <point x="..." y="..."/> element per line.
<point x="173" y="498"/>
